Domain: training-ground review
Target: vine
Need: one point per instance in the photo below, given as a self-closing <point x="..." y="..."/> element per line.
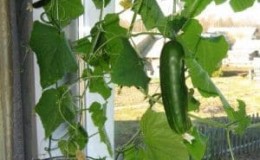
<point x="110" y="57"/>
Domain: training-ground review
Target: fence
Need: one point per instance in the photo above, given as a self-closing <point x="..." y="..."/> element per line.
<point x="217" y="140"/>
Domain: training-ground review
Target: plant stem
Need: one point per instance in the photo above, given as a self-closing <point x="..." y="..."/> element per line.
<point x="132" y="23"/>
<point x="134" y="18"/>
<point x="229" y="145"/>
<point x="62" y="115"/>
<point x="49" y="147"/>
<point x="101" y="11"/>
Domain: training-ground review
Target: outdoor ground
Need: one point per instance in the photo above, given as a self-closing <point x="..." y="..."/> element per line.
<point x="235" y="84"/>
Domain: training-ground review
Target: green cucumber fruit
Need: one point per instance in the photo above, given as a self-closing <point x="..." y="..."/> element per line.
<point x="173" y="87"/>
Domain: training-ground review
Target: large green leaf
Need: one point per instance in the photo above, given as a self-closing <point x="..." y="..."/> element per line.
<point x="208" y="56"/>
<point x="150" y="12"/>
<point x="240" y="5"/>
<point x="98" y="115"/>
<point x="54" y="55"/>
<point x="54" y="108"/>
<point x="193" y="8"/>
<point x="134" y="153"/>
<point x="61" y="12"/>
<point x="128" y="68"/>
<point x="203" y="49"/>
<point x="160" y="142"/>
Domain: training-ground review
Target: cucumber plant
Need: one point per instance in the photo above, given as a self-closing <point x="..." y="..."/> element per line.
<point x="109" y="54"/>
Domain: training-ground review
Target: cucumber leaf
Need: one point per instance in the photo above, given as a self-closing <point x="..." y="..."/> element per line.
<point x="98" y="84"/>
<point x="190" y="36"/>
<point x="239" y="117"/>
<point x="101" y="3"/>
<point x="201" y="48"/>
<point x="208" y="56"/>
<point x="197" y="147"/>
<point x="54" y="55"/>
<point x="238" y="5"/>
<point x="62" y="12"/>
<point x="150" y="12"/>
<point x="54" y="108"/>
<point x="127" y="68"/>
<point x="160" y="142"/>
<point x="217" y="2"/>
<point x="98" y="115"/>
<point x="193" y="8"/>
<point x="77" y="140"/>
<point x="82" y="47"/>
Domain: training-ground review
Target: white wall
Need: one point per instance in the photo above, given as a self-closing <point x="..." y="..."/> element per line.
<point x="95" y="148"/>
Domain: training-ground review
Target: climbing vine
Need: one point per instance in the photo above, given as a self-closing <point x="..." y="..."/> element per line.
<point x="111" y="58"/>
